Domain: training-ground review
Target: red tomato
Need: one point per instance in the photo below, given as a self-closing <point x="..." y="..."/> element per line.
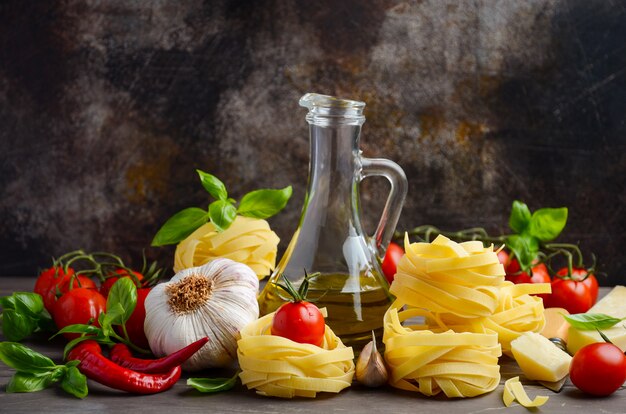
<point x="47" y="281"/>
<point x="581" y="275"/>
<point x="390" y="262"/>
<point x="301" y="322"/>
<point x="134" y="325"/>
<point x="569" y="294"/>
<point x="79" y="305"/>
<point x="110" y="281"/>
<point x="598" y="369"/>
<point x="540" y="274"/>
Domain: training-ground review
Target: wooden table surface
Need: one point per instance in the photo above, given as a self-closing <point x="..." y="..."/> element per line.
<point x="356" y="399"/>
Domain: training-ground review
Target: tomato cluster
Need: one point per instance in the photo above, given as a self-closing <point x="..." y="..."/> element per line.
<point x="576" y="293"/>
<point x="76" y="299"/>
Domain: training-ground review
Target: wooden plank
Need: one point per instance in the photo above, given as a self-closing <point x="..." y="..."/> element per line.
<point x="357" y="399"/>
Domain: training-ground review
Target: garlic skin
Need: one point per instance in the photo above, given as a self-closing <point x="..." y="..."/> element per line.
<point x="370" y="366"/>
<point x="215" y="300"/>
<point x="248" y="240"/>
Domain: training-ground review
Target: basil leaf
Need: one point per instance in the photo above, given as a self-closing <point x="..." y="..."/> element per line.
<point x="21" y="358"/>
<point x="180" y="225"/>
<point x="124" y="294"/>
<point x="264" y="203"/>
<point x="222" y="214"/>
<point x="213" y="185"/>
<point x="520" y="217"/>
<point x="212" y="385"/>
<point x="28" y="303"/>
<point x="17" y="326"/>
<point x="79" y="328"/>
<point x="547" y="223"/>
<point x="27" y="382"/>
<point x="590" y="321"/>
<point x="525" y="249"/>
<point x="7" y="302"/>
<point x="114" y="316"/>
<point x="75" y="383"/>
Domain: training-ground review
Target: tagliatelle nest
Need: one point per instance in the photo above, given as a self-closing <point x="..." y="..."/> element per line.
<point x="279" y="367"/>
<point x="429" y="362"/>
<point x="469" y="315"/>
<point x="248" y="240"/>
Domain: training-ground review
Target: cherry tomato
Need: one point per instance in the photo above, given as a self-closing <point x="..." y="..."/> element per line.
<point x="569" y="294"/>
<point x="598" y="369"/>
<point x="301" y="322"/>
<point x="390" y="262"/>
<point x="110" y="281"/>
<point x="581" y="275"/>
<point x="47" y="281"/>
<point x="540" y="274"/>
<point x="79" y="305"/>
<point x="134" y="325"/>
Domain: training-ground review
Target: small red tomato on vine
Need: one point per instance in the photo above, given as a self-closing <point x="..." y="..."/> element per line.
<point x="598" y="369"/>
<point x="79" y="305"/>
<point x="46" y="283"/>
<point x="299" y="320"/>
<point x="577" y="294"/>
<point x="390" y="263"/>
<point x="585" y="277"/>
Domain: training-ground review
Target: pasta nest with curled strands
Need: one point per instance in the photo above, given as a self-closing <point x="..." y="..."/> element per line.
<point x="279" y="367"/>
<point x="429" y="362"/>
<point x="248" y="240"/>
<point x="455" y="289"/>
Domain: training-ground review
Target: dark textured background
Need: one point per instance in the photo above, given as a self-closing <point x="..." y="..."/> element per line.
<point x="106" y="108"/>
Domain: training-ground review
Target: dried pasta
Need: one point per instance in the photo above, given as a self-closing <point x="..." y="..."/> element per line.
<point x="456" y="289"/>
<point x="429" y="362"/>
<point x="248" y="240"/>
<point x="514" y="391"/>
<point x="279" y="367"/>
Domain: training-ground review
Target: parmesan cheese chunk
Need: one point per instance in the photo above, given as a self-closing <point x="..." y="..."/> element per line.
<point x="539" y="358"/>
<point x="613" y="304"/>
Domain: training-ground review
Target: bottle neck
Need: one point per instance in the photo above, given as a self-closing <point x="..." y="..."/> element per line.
<point x="334" y="153"/>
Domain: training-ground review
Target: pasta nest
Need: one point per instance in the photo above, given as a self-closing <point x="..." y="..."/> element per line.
<point x="432" y="361"/>
<point x="279" y="367"/>
<point x="456" y="289"/>
<point x="248" y="240"/>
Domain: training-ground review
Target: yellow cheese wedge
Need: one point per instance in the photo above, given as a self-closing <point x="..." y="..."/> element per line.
<point x="556" y="325"/>
<point x="539" y="358"/>
<point x="613" y="304"/>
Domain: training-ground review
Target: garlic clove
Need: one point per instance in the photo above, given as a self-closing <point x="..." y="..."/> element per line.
<point x="370" y="366"/>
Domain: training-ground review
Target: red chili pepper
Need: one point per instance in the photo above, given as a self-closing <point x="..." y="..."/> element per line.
<point x="121" y="355"/>
<point x="100" y="369"/>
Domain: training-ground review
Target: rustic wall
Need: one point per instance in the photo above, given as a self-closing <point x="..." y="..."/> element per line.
<point x="106" y="108"/>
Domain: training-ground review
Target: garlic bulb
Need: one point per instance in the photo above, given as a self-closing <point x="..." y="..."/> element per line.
<point x="214" y="300"/>
<point x="247" y="240"/>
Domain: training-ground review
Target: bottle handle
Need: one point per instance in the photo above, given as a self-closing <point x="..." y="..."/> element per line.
<point x="393" y="207"/>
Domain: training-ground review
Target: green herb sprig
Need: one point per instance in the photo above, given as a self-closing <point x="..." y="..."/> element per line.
<point x="222" y="212"/>
<point x="36" y="372"/>
<point x="23" y="314"/>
